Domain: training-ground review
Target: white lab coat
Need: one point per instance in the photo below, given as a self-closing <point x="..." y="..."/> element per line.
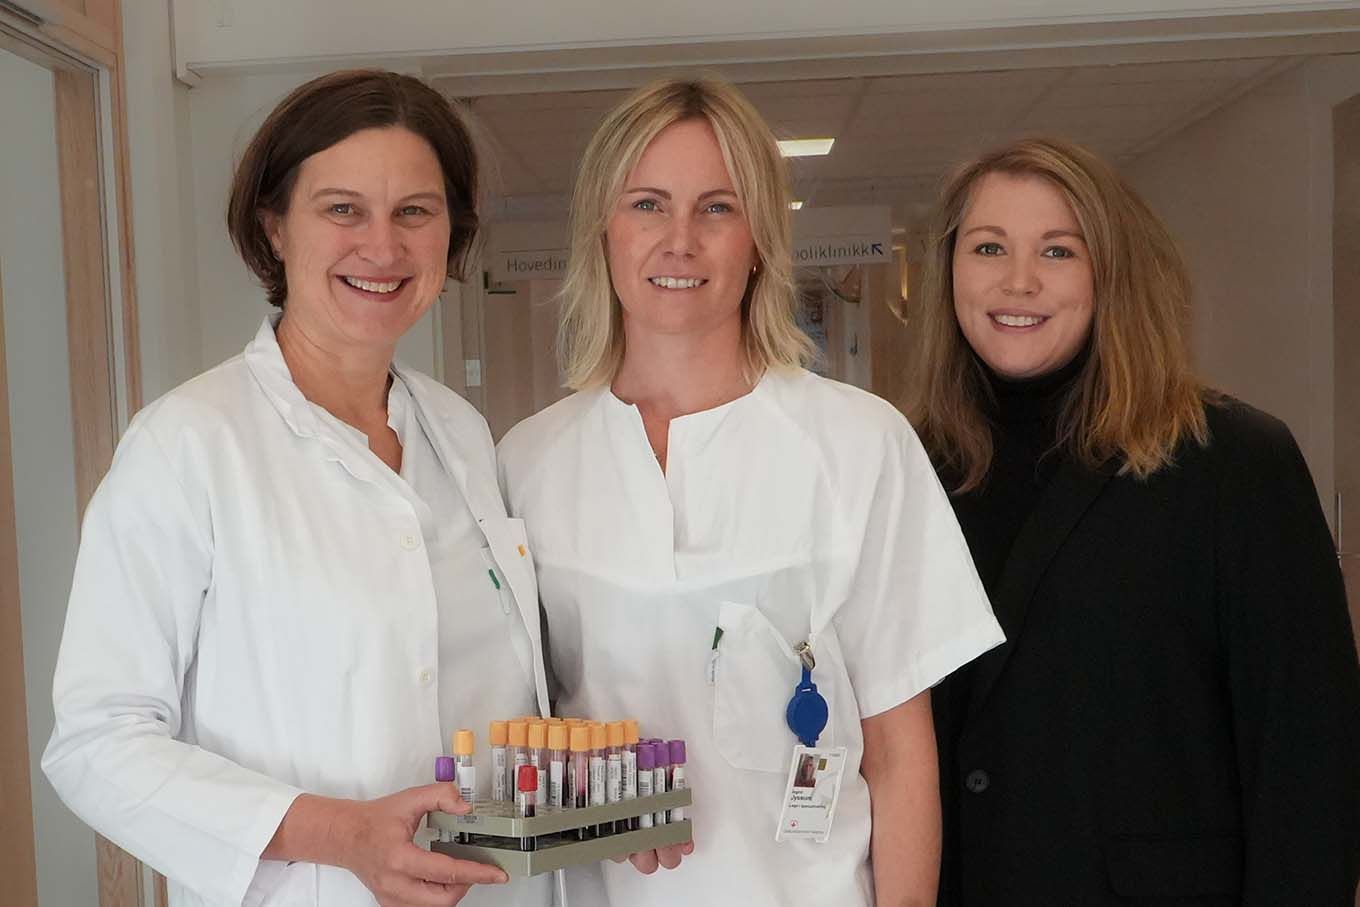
<point x="254" y="615"/>
<point x="805" y="510"/>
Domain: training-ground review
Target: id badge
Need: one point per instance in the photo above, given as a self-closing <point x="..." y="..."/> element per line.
<point x="811" y="794"/>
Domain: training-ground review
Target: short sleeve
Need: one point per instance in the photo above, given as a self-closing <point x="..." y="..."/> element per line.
<point x="916" y="610"/>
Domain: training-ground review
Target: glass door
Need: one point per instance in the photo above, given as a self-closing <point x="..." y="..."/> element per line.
<point x="57" y="425"/>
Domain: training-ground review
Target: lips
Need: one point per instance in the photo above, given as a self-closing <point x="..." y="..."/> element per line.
<point x="677" y="283"/>
<point x="376" y="286"/>
<point x="1017" y="320"/>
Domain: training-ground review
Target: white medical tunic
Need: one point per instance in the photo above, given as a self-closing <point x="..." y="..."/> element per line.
<point x="806" y="510"/>
<point x="261" y="608"/>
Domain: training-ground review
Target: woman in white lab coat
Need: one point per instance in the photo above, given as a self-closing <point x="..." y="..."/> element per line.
<point x="703" y="506"/>
<point x="298" y="577"/>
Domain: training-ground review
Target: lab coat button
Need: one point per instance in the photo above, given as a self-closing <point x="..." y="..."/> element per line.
<point x="977" y="781"/>
<point x="426" y="677"/>
<point x="410" y="541"/>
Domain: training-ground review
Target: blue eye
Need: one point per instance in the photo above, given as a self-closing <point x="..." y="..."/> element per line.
<point x="989" y="249"/>
<point x="719" y="208"/>
<point x="1059" y="252"/>
<point x="645" y="204"/>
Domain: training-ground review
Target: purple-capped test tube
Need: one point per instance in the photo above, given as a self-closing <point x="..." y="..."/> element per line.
<point x="646" y="758"/>
<point x="676" y="776"/>
<point x="445" y="769"/>
<point x="660" y="772"/>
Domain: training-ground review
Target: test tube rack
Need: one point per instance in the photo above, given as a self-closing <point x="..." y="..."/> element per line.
<point x="495" y="830"/>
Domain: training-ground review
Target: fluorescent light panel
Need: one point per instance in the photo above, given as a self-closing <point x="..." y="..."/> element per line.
<point x="805" y="147"/>
<point x="795" y="205"/>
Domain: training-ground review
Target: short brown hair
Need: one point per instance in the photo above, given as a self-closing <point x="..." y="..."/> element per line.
<point x="328" y="110"/>
<point x="1136" y="398"/>
<point x="590" y="336"/>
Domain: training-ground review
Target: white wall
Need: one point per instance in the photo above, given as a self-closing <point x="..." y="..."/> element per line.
<point x="162" y="173"/>
<point x="39" y="400"/>
<point x="218" y="32"/>
<point x="1248" y="193"/>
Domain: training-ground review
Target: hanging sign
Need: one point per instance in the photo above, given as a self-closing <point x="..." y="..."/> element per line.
<point x="527" y="251"/>
<point x="846" y="235"/>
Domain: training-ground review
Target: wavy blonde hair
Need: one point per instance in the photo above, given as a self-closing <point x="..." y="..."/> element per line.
<point x="1136" y="399"/>
<point x="590" y="335"/>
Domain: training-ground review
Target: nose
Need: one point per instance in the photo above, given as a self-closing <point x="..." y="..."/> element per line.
<point x="1021" y="279"/>
<point x="381" y="244"/>
<point x="681" y="236"/>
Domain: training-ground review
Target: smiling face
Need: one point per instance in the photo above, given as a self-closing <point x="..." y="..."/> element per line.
<point x="678" y="243"/>
<point x="1023" y="285"/>
<point x="365" y="240"/>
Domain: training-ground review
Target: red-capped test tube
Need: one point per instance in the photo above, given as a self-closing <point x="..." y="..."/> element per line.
<point x="526" y="796"/>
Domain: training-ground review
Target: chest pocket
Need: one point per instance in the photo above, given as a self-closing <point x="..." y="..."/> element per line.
<point x="500" y="615"/>
<point x="755" y="672"/>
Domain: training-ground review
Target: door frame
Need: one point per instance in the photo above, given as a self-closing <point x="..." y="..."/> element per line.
<point x="80" y="41"/>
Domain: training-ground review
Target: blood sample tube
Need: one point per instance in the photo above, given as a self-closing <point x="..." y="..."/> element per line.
<point x="464" y="743"/>
<point x="445" y="770"/>
<point x="500" y="771"/>
<point x="613" y="783"/>
<point x="630" y="776"/>
<point x="578" y="772"/>
<point x="646" y="762"/>
<point x="557" y="765"/>
<point x="599" y="743"/>
<point x="659" y="772"/>
<point x="538" y="758"/>
<point x="526" y="793"/>
<point x="676" y="780"/>
<point x="517" y="733"/>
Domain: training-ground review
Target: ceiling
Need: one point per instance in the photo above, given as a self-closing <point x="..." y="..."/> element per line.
<point x="896" y="136"/>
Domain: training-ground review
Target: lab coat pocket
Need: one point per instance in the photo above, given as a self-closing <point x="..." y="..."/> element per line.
<point x="513" y="622"/>
<point x="755" y="672"/>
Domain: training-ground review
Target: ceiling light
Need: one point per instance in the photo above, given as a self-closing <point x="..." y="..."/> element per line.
<point x="805" y="147"/>
<point x="795" y="205"/>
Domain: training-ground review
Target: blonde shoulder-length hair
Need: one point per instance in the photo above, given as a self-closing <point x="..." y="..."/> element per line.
<point x="590" y="335"/>
<point x="1135" y="399"/>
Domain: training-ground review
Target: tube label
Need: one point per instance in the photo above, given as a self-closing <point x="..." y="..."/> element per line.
<point x="659" y="785"/>
<point x="630" y="775"/>
<point x="644" y="780"/>
<point x="597" y="781"/>
<point x="467" y="783"/>
<point x="499" y="774"/>
<point x="678" y="783"/>
<point x="555" y="772"/>
<point x="614" y="779"/>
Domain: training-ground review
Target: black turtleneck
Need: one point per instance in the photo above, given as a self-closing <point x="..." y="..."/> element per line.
<point x="1024" y="418"/>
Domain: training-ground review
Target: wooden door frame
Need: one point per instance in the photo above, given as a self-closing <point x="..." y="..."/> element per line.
<point x="82" y="42"/>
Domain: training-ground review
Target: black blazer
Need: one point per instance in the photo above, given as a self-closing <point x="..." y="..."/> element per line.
<point x="1175" y="716"/>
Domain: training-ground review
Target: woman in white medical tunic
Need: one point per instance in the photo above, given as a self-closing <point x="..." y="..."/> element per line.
<point x="703" y="507"/>
<point x="298" y="578"/>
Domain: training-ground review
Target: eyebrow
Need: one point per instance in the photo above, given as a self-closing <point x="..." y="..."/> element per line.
<point x="1051" y="234"/>
<point x="666" y="195"/>
<point x="350" y="193"/>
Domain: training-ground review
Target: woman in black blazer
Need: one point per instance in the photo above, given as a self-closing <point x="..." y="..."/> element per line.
<point x="1175" y="718"/>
